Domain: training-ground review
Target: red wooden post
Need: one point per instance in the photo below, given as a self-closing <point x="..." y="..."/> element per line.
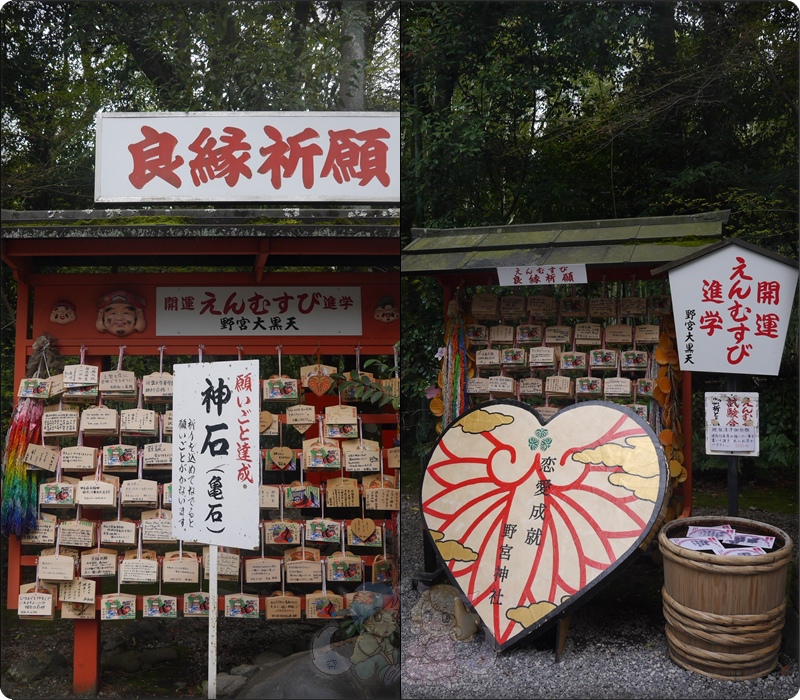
<point x="86" y="659"/>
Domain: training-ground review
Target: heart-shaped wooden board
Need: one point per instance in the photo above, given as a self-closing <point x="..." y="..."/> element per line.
<point x="319" y="383"/>
<point x="362" y="527"/>
<point x="281" y="456"/>
<point x="529" y="517"/>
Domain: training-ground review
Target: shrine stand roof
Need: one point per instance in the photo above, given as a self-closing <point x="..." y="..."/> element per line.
<point x="253" y="238"/>
<point x="609" y="246"/>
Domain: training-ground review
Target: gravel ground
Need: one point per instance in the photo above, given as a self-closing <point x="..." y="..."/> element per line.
<point x="615" y="647"/>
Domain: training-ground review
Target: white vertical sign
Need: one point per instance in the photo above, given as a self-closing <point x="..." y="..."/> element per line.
<point x="215" y="473"/>
<point x="732" y="423"/>
<point x="732" y="309"/>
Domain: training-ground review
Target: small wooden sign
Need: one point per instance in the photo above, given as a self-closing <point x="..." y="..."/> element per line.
<point x="531" y="386"/>
<point x="157" y="526"/>
<point x="529" y="333"/>
<point x="279" y="389"/>
<point x="487" y="358"/>
<point x="383" y="569"/>
<point x="60" y="423"/>
<point x="78" y="533"/>
<point x="281" y="458"/>
<point x="542" y="307"/>
<point x="573" y="361"/>
<point x="558" y="335"/>
<point x="632" y="306"/>
<point x="361" y="455"/>
<point x="476" y="333"/>
<point x="501" y="334"/>
<point x="139" y="491"/>
<point x="34" y="388"/>
<point x="120" y="457"/>
<point x="513" y="306"/>
<point x="301" y="495"/>
<point x="118" y="606"/>
<point x="572" y="307"/>
<point x="603" y="358"/>
<point x="617" y="386"/>
<point x="138" y="571"/>
<point x="282" y="606"/>
<point x="269" y="496"/>
<point x="262" y="570"/>
<point x="591" y="386"/>
<point x="281" y="532"/>
<point x="542" y="357"/>
<point x="512" y="358"/>
<point x="79" y="590"/>
<point x="588" y="333"/>
<point x="159" y="606"/>
<point x="157" y="387"/>
<point x="633" y="360"/>
<point x="323" y="606"/>
<point x="321" y="455"/>
<point x="382" y="499"/>
<point x="558" y="386"/>
<point x="303" y="571"/>
<point x="118" y="532"/>
<point x="80" y="375"/>
<point x="99" y="421"/>
<point x="157" y="455"/>
<point x="79" y="458"/>
<point x="478" y="385"/>
<point x="57" y="494"/>
<point x="619" y="334"/>
<point x="44" y="532"/>
<point x="36" y="605"/>
<point x="99" y="562"/>
<point x="180" y="567"/>
<point x="43" y="457"/>
<point x="243" y="606"/>
<point x="485" y="306"/>
<point x="343" y="566"/>
<point x="374" y="539"/>
<point x="55" y="567"/>
<point x="118" y="385"/>
<point x="195" y="604"/>
<point x="342" y="492"/>
<point x="227" y="565"/>
<point x="323" y="530"/>
<point x="97" y="492"/>
<point x="646" y="334"/>
<point x="78" y="611"/>
<point x="602" y="307"/>
<point x="138" y="421"/>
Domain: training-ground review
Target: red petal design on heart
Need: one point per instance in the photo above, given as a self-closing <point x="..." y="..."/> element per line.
<point x="473" y="509"/>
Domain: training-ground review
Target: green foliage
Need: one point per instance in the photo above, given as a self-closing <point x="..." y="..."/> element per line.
<point x="366" y="389"/>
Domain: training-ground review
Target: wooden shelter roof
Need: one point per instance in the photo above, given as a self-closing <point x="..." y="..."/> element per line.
<point x="621" y="245"/>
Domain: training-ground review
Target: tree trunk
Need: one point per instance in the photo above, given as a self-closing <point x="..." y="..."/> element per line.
<point x="353" y="65"/>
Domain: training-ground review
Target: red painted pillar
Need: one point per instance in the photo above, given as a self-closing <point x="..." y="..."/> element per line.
<point x="86" y="659"/>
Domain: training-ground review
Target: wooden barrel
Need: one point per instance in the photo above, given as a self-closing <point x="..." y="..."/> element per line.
<point x="724" y="614"/>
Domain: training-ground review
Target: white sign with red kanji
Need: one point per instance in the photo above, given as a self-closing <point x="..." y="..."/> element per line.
<point x="247" y="157"/>
<point x="215" y="469"/>
<point x="258" y="311"/>
<point x="731" y="311"/>
<point x="537" y="275"/>
<point x="732" y="423"/>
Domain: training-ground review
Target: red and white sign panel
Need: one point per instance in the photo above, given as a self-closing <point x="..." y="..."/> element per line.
<point x="247" y="157"/>
<point x="732" y="311"/>
<point x="215" y="471"/>
<point x="258" y="311"/>
<point x="538" y="275"/>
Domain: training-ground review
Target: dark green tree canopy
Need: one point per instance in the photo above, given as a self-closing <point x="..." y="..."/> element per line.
<point x="551" y="111"/>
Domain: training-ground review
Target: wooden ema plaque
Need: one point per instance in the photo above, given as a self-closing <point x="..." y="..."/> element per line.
<point x="180" y="567"/>
<point x="321" y="605"/>
<point x="159" y="606"/>
<point x="343" y="566"/>
<point x="594" y="471"/>
<point x="42" y="457"/>
<point x="282" y="606"/>
<point x="98" y="563"/>
<point x="262" y="570"/>
<point x="243" y="606"/>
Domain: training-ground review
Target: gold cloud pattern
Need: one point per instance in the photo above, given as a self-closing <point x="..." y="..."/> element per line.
<point x="526" y="615"/>
<point x="638" y="460"/>
<point x="452" y="550"/>
<point x="481" y="421"/>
